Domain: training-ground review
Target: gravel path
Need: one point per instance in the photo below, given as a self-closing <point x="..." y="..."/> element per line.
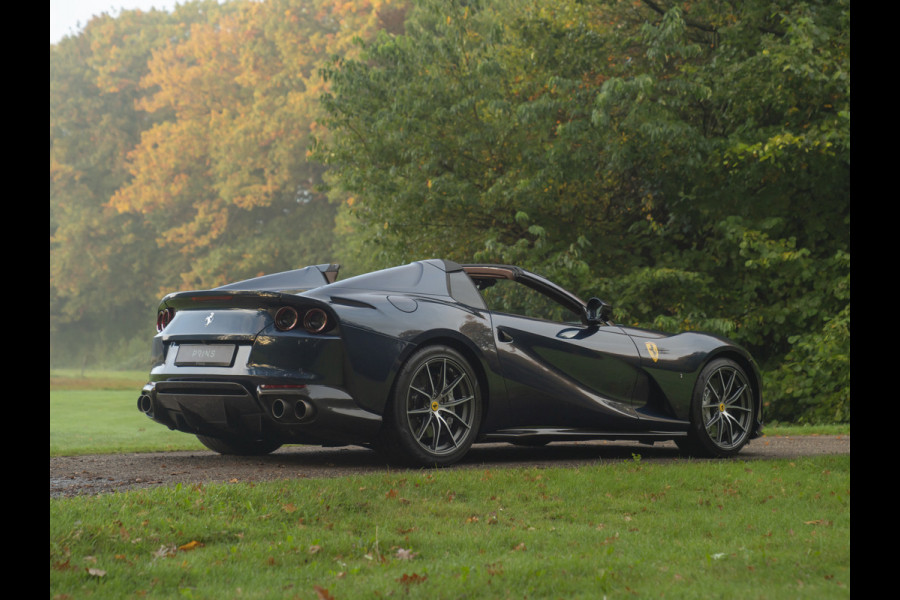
<point x="95" y="474"/>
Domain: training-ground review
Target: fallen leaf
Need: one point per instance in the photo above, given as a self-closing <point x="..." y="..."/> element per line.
<point x="192" y="545"/>
<point x="164" y="551"/>
<point x="96" y="572"/>
<point x="62" y="566"/>
<point x="521" y="546"/>
<point x="315" y="548"/>
<point x="408" y="580"/>
<point x="322" y="593"/>
<point x="403" y="554"/>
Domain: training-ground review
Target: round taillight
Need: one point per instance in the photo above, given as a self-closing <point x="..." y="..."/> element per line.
<point x="164" y="317"/>
<point x="315" y="320"/>
<point x="286" y="318"/>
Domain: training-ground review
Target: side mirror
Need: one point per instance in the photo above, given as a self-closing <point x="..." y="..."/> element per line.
<point x="597" y="312"/>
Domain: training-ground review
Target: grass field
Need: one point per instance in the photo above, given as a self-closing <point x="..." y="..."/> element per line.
<point x="729" y="529"/>
<point x="98" y="414"/>
<point x="616" y="529"/>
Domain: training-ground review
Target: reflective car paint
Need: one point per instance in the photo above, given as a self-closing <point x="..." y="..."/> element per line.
<point x="538" y="380"/>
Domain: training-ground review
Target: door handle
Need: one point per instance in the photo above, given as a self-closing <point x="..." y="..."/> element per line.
<point x="503" y="336"/>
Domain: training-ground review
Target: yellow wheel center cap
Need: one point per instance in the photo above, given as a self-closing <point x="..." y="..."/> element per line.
<point x="434" y="406"/>
<point x="721" y="407"/>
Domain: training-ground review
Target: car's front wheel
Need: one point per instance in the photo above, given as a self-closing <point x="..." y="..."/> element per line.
<point x="435" y="409"/>
<point x="722" y="411"/>
<point x="240" y="447"/>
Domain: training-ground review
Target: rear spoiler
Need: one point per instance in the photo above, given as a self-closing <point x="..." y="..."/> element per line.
<point x="296" y="281"/>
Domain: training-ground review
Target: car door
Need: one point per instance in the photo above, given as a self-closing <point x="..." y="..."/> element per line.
<point x="559" y="372"/>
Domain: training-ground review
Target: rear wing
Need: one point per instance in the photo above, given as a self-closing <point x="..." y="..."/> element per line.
<point x="294" y="282"/>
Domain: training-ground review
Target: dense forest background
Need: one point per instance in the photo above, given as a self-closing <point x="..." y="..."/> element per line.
<point x="689" y="162"/>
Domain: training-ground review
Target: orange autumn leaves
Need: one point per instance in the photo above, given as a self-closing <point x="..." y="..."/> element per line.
<point x="241" y="99"/>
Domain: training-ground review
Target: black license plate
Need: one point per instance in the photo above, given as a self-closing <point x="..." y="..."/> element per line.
<point x="210" y="355"/>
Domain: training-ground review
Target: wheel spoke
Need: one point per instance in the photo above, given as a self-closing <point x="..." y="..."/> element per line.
<point x="712" y="389"/>
<point x="736" y="396"/>
<point x="441" y="420"/>
<point x="453" y="385"/>
<point x="457" y="401"/>
<point x="726" y="387"/>
<point x="424" y="428"/>
<point x="430" y="381"/>
<point x="436" y="429"/>
<point x="415" y="389"/>
<point x="456" y="418"/>
<point x="713" y="420"/>
<point x="735" y="423"/>
<point x="724" y="427"/>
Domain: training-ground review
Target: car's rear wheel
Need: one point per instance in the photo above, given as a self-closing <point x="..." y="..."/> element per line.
<point x="722" y="411"/>
<point x="435" y="409"/>
<point x="240" y="447"/>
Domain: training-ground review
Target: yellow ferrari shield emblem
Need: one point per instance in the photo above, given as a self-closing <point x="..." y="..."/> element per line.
<point x="653" y="350"/>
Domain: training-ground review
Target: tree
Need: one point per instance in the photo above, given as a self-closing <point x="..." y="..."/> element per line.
<point x="225" y="182"/>
<point x="688" y="160"/>
<point x="178" y="154"/>
<point x="103" y="278"/>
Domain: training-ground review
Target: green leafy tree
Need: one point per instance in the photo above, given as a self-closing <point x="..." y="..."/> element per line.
<point x="690" y="161"/>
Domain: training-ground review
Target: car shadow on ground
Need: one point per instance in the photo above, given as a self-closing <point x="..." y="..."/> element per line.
<point x="500" y="455"/>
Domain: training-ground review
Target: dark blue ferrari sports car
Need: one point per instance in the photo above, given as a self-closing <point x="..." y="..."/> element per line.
<point x="421" y="361"/>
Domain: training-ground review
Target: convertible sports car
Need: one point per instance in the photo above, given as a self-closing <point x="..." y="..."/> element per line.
<point x="421" y="361"/>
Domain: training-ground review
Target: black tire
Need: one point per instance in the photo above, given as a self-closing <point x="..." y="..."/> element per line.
<point x="240" y="447"/>
<point x="434" y="411"/>
<point x="722" y="411"/>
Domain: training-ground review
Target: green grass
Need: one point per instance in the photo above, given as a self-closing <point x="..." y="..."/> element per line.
<point x="98" y="414"/>
<point x="94" y="379"/>
<point x="625" y="529"/>
<point x="693" y="529"/>
<point x="108" y="421"/>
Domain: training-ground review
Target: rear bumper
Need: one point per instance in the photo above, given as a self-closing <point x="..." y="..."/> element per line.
<point x="247" y="409"/>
